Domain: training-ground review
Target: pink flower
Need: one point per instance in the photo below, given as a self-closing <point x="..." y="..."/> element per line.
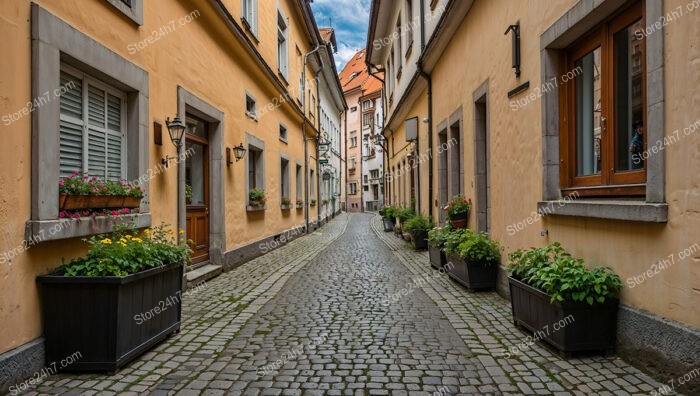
<point x="126" y="211"/>
<point x="60" y="183"/>
<point x="115" y="213"/>
<point x="76" y="215"/>
<point x="62" y="214"/>
<point x="86" y="212"/>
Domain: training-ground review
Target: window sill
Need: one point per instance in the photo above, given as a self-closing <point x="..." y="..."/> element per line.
<point x="53" y="230"/>
<point x="249" y="28"/>
<point x="250" y="208"/>
<point x="612" y="210"/>
<point x="283" y="140"/>
<point x="286" y="207"/>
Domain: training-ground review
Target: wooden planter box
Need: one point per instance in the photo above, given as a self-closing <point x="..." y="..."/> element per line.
<point x="474" y="276"/>
<point x="593" y="327"/>
<point x="419" y="239"/>
<point x="75" y="202"/>
<point x="437" y="257"/>
<point x="110" y="320"/>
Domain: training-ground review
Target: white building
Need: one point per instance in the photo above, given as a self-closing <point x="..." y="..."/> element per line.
<point x="372" y="153"/>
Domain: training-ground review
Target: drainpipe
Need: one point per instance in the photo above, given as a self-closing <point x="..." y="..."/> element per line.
<point x="345" y="144"/>
<point x="319" y="176"/>
<point x="429" y="79"/>
<point x="306" y="139"/>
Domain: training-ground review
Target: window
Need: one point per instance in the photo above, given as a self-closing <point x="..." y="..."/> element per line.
<point x="604" y="133"/>
<point x="398" y="43"/>
<point x="255" y="166"/>
<point x="284" y="178"/>
<point x="283" y="133"/>
<point x="251" y="107"/>
<point x="133" y="9"/>
<point x="366" y="178"/>
<point x="366" y="188"/>
<point x="352" y="163"/>
<point x="353" y="109"/>
<point x="353" y="188"/>
<point x="313" y="105"/>
<point x="282" y="52"/>
<point x="367" y="120"/>
<point x="250" y="15"/>
<point x="312" y="183"/>
<point x="374" y="173"/>
<point x="409" y="24"/>
<point x="300" y="182"/>
<point x="353" y="139"/>
<point x="92" y="127"/>
<point x="366" y="105"/>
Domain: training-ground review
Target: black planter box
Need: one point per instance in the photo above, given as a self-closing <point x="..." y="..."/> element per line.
<point x="593" y="327"/>
<point x="110" y="320"/>
<point x="388" y="224"/>
<point x="474" y="276"/>
<point x="419" y="239"/>
<point x="437" y="257"/>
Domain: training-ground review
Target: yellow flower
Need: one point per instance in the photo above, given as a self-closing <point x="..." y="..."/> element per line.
<point x="182" y="239"/>
<point x="147" y="231"/>
<point x="122" y="240"/>
<point x="123" y="244"/>
<point x="139" y="240"/>
<point x="182" y="232"/>
<point x="128" y="237"/>
<point x="106" y="241"/>
<point x="171" y="232"/>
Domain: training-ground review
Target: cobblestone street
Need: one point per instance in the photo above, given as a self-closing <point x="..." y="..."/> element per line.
<point x="323" y="314"/>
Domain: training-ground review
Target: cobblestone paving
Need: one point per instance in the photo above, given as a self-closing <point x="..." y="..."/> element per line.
<point x="324" y="314"/>
<point x="485" y="323"/>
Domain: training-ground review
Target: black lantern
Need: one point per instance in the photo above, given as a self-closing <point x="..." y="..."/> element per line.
<point x="176" y="128"/>
<point x="239" y="152"/>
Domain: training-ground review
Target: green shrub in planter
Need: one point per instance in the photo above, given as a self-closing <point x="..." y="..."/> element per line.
<point x="404" y="214"/>
<point x="555" y="272"/>
<point x="438" y="236"/>
<point x="549" y="286"/>
<point x="418" y="227"/>
<point x="478" y="248"/>
<point x="454" y="237"/>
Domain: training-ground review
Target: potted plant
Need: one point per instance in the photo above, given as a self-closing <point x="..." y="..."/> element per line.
<point x="256" y="198"/>
<point x="300" y="204"/>
<point x="286" y="203"/>
<point x="117" y="302"/>
<point x="458" y="211"/>
<point x="312" y="202"/>
<point x="397" y="231"/>
<point x="188" y="194"/>
<point x="472" y="259"/>
<point x="418" y="227"/>
<point x="83" y="192"/>
<point x="548" y="285"/>
<point x="386" y="221"/>
<point x="437" y="237"/>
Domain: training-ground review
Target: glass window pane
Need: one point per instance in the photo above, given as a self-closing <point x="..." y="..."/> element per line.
<point x="629" y="102"/>
<point x="194" y="173"/>
<point x="196" y="127"/>
<point x="588" y="112"/>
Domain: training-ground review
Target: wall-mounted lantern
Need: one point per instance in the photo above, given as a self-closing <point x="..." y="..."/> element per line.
<point x="516" y="46"/>
<point x="238" y="152"/>
<point x="176" y="129"/>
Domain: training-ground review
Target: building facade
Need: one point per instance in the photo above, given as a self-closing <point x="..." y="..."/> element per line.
<point x="363" y="153"/>
<point x="80" y="97"/>
<point x="577" y="126"/>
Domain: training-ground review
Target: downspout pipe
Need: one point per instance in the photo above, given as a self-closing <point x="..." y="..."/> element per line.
<point x="306" y="139"/>
<point x="429" y="79"/>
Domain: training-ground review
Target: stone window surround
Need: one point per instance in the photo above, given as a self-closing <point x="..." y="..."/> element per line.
<point x="581" y="18"/>
<point x="482" y="167"/>
<point x="55" y="42"/>
<point x="258" y="145"/>
<point x="188" y="103"/>
<point x="285" y="178"/>
<point x="135" y="12"/>
<point x="299" y="170"/>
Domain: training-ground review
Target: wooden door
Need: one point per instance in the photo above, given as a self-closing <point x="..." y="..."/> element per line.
<point x="197" y="189"/>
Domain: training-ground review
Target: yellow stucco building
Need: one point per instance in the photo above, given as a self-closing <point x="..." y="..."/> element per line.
<point x="89" y="86"/>
<point x="578" y="125"/>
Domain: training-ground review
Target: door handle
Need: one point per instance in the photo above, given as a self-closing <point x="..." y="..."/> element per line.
<point x="206" y="211"/>
<point x="603" y="123"/>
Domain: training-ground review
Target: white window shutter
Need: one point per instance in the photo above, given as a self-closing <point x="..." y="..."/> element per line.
<point x="114" y="138"/>
<point x="96" y="153"/>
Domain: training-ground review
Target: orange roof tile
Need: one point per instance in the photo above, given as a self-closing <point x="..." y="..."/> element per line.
<point x="355" y="75"/>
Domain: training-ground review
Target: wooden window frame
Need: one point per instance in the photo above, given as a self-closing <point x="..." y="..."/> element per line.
<point x="609" y="182"/>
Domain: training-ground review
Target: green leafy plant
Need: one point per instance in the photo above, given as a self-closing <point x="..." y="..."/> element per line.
<point x="286" y="201"/>
<point x="188" y="194"/>
<point x="256" y="197"/>
<point x="455" y="237"/>
<point x="566" y="278"/>
<point x="300" y="204"/>
<point x="458" y="205"/>
<point x="312" y="202"/>
<point x="418" y="223"/>
<point x="438" y="236"/>
<point x="404" y="214"/>
<point x="126" y="251"/>
<point x="479" y="248"/>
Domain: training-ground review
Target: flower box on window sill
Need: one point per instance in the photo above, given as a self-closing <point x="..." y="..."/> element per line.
<point x="255" y="207"/>
<point x="72" y="202"/>
<point x="38" y="231"/>
<point x="286" y="207"/>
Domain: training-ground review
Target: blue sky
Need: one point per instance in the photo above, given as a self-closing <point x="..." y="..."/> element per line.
<point x="350" y="19"/>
